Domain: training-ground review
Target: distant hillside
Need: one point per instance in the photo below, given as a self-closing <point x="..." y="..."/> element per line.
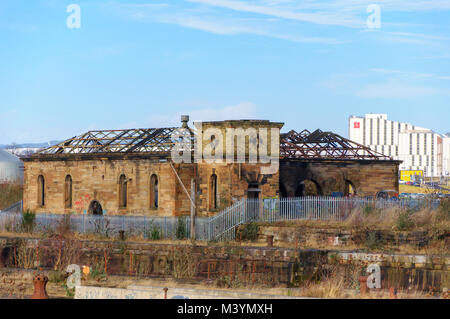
<point x="29" y="145"/>
<point x="26" y="149"/>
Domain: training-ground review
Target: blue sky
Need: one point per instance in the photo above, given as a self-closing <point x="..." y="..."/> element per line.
<point x="310" y="64"/>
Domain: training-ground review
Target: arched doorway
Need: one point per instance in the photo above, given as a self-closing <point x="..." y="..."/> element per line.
<point x="283" y="192"/>
<point x="253" y="194"/>
<point x="308" y="187"/>
<point x="253" y="191"/>
<point x="350" y="189"/>
<point x="95" y="208"/>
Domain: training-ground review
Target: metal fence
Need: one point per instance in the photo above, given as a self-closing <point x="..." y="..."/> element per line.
<point x="332" y="208"/>
<point x="220" y="227"/>
<point x="15" y="208"/>
<point x="224" y="225"/>
<point x="110" y="226"/>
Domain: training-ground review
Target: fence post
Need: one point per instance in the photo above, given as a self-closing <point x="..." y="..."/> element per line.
<point x="165" y="227"/>
<point x="145" y="227"/>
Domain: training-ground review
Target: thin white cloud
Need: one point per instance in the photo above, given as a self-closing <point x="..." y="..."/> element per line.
<point x="410" y="74"/>
<point x="407" y="37"/>
<point x="207" y="25"/>
<point x="348" y="13"/>
<point x="393" y="84"/>
<point x="225" y="27"/>
<point x="283" y="19"/>
<point x="433" y="57"/>
<point x="214" y="22"/>
<point x="418" y="35"/>
<point x="242" y="110"/>
<point x="394" y="90"/>
<point x="327" y="18"/>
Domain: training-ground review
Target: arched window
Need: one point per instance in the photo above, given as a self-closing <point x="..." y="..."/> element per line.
<point x="154" y="191"/>
<point x="41" y="191"/>
<point x="350" y="189"/>
<point x="213" y="192"/>
<point x="122" y="191"/>
<point x="308" y="187"/>
<point x="68" y="192"/>
<point x="95" y="208"/>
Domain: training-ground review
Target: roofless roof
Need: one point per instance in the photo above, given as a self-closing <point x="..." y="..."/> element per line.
<point x="150" y="140"/>
<point x="324" y="145"/>
<point x="160" y="141"/>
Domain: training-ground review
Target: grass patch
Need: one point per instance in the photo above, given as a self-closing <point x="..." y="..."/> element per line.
<point x="249" y="231"/>
<point x="404" y="221"/>
<point x="181" y="228"/>
<point x="56" y="276"/>
<point x="153" y="232"/>
<point x="28" y="221"/>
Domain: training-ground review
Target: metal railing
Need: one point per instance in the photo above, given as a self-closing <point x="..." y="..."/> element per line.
<point x="14" y="208"/>
<point x="222" y="226"/>
<point x="110" y="226"/>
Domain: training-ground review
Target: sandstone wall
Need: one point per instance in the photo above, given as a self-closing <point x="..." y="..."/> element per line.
<point x="99" y="180"/>
<point x="368" y="177"/>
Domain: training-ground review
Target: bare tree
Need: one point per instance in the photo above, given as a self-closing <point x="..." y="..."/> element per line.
<point x="14" y="148"/>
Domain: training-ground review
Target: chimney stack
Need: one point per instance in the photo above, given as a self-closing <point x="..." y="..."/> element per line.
<point x="184" y="121"/>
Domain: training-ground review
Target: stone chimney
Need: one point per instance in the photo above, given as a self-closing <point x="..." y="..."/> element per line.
<point x="184" y="121"/>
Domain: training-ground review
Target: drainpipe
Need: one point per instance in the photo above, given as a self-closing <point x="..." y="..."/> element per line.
<point x="193" y="210"/>
<point x="190" y="199"/>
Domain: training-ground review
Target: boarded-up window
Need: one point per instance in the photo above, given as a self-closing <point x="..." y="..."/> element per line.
<point x="41" y="191"/>
<point x="213" y="192"/>
<point x="122" y="191"/>
<point x="68" y="192"/>
<point x="154" y="191"/>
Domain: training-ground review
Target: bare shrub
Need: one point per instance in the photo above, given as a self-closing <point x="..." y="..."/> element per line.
<point x="356" y="219"/>
<point x="101" y="227"/>
<point x="423" y="218"/>
<point x="184" y="263"/>
<point x="332" y="286"/>
<point x="25" y="257"/>
<point x="364" y="218"/>
<point x="64" y="251"/>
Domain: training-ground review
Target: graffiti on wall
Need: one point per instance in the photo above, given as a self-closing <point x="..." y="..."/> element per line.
<point x="82" y="203"/>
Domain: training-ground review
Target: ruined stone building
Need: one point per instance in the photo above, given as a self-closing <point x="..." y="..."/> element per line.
<point x="134" y="172"/>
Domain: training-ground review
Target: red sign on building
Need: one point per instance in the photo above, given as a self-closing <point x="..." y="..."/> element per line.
<point x="356" y="125"/>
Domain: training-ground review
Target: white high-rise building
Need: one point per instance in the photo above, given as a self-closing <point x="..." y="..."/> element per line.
<point x="446" y="155"/>
<point x="419" y="148"/>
